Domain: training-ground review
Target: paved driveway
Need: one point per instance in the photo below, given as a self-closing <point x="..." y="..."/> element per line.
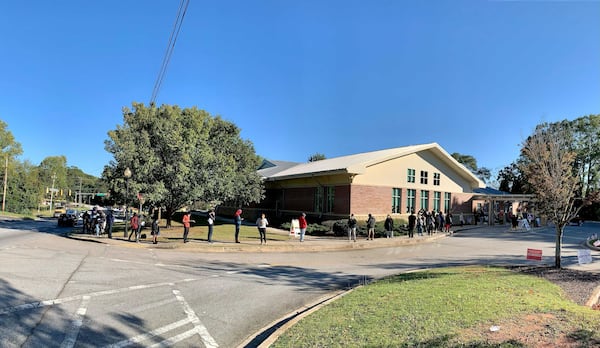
<point x="72" y="293"/>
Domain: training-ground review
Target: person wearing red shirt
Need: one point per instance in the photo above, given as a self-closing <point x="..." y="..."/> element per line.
<point x="134" y="224"/>
<point x="186" y="225"/>
<point x="303" y="224"/>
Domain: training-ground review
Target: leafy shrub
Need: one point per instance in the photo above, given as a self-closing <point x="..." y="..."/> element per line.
<point x="310" y="228"/>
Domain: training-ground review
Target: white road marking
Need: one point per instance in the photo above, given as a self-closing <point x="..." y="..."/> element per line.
<point x="71" y="335"/>
<point x="171" y="341"/>
<point x="39" y="304"/>
<point x="148" y="335"/>
<point x="207" y="339"/>
<point x="73" y="332"/>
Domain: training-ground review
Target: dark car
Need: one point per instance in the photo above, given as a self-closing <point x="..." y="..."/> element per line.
<point x="67" y="220"/>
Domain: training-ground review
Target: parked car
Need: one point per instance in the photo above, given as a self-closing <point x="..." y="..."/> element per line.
<point x="58" y="212"/>
<point x="68" y="219"/>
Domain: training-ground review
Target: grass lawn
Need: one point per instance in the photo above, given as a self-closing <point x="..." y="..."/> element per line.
<point x="450" y="307"/>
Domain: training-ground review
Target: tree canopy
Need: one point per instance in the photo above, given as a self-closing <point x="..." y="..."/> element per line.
<point x="548" y="160"/>
<point x="317" y="157"/>
<point x="178" y="156"/>
<point x="470" y="163"/>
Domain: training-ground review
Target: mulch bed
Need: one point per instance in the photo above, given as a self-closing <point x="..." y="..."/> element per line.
<point x="578" y="285"/>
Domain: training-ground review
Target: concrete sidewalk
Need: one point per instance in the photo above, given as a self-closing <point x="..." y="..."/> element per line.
<point x="311" y="243"/>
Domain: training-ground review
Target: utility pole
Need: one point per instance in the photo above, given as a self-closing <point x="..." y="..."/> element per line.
<point x="5" y="182"/>
<point x="79" y="194"/>
<point x="52" y="191"/>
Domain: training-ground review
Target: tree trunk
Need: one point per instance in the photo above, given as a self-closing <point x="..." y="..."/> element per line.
<point x="169" y="215"/>
<point x="558" y="247"/>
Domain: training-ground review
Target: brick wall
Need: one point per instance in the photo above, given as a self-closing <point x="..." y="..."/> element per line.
<point x="376" y="200"/>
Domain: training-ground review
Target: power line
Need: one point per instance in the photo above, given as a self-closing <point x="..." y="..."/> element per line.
<point x="183" y="5"/>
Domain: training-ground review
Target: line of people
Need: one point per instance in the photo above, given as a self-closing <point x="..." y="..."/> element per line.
<point x="429" y="222"/>
<point x="98" y="221"/>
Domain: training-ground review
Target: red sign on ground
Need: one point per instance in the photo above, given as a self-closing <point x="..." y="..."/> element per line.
<point x="534" y="254"/>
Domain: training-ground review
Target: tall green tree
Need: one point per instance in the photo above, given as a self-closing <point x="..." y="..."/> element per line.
<point x="548" y="162"/>
<point x="23" y="189"/>
<point x="470" y="163"/>
<point x="52" y="173"/>
<point x="178" y="156"/>
<point x="9" y="150"/>
<point x="586" y="144"/>
<point x="511" y="180"/>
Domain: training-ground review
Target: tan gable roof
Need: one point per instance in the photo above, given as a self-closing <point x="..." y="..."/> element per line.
<point x="358" y="163"/>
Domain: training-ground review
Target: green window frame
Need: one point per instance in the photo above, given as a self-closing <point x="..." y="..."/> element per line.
<point x="437" y="196"/>
<point x="447" y="198"/>
<point x="425" y="200"/>
<point x="330" y="198"/>
<point x="410" y="176"/>
<point x="318" y="199"/>
<point x="410" y="200"/>
<point x="396" y="200"/>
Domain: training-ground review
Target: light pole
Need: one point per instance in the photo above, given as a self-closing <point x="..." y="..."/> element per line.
<point x="127" y="175"/>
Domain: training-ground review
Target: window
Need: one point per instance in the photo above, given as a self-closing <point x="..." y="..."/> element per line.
<point x="436" y="200"/>
<point x="319" y="199"/>
<point x="436" y="179"/>
<point x="424" y="175"/>
<point x="411" y="175"/>
<point x="410" y="200"/>
<point x="446" y="202"/>
<point x="330" y="198"/>
<point x="425" y="200"/>
<point x="396" y="199"/>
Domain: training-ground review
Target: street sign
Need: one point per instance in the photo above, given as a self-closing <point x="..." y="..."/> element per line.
<point x="534" y="254"/>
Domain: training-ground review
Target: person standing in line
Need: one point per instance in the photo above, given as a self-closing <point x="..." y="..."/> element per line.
<point x="370" y="227"/>
<point x="441" y="220"/>
<point x="352" y="228"/>
<point x="186" y="225"/>
<point x="238" y="223"/>
<point x="141" y="223"/>
<point x="155" y="230"/>
<point x="302" y="224"/>
<point x="389" y="227"/>
<point x="429" y="217"/>
<point x="262" y="223"/>
<point x="448" y="221"/>
<point x="110" y="220"/>
<point x="211" y="224"/>
<point x="134" y="225"/>
<point x="412" y="220"/>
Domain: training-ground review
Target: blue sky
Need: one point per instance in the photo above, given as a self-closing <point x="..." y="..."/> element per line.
<point x="301" y="77"/>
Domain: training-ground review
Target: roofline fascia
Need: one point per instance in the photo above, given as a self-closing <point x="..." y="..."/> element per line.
<point x="310" y="175"/>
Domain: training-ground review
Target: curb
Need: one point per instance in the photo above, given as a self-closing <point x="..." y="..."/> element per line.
<point x="273" y="331"/>
<point x="593" y="300"/>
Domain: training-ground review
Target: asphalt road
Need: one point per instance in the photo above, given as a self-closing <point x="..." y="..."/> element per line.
<point x="59" y="292"/>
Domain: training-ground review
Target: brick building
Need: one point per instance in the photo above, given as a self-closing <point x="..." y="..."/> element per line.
<point x="392" y="181"/>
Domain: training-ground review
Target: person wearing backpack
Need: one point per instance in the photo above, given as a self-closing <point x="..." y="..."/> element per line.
<point x="155" y="230"/>
<point x="389" y="227"/>
<point x="352" y="228"/>
<point x="370" y="227"/>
